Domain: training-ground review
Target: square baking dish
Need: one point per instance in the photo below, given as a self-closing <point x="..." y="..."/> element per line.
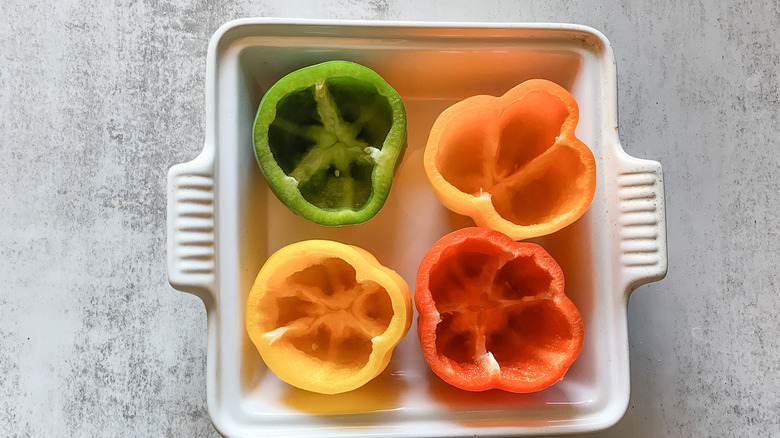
<point x="223" y="222"/>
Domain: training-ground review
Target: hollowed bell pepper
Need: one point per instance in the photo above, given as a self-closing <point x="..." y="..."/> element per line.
<point x="512" y="163"/>
<point x="325" y="316"/>
<point x="493" y="313"/>
<point x="327" y="139"/>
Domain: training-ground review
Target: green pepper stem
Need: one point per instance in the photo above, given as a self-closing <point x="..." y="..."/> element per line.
<point x="336" y="144"/>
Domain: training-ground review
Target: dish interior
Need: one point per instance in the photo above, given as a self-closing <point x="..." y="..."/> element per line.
<point x="431" y="73"/>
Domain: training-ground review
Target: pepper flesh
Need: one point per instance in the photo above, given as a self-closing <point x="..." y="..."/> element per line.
<point x="493" y="313"/>
<point x="327" y="138"/>
<point x="513" y="163"/>
<point x="326" y="316"/>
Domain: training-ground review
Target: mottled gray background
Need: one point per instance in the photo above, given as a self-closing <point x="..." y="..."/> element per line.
<point x="99" y="99"/>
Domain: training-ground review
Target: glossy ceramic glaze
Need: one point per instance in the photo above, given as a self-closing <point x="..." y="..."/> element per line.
<point x="223" y="222"/>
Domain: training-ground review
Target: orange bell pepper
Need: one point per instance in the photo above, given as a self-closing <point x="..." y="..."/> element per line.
<point x="326" y="316"/>
<point x="512" y="163"/>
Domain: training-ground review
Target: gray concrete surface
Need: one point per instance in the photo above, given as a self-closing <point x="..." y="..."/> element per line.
<point x="99" y="99"/>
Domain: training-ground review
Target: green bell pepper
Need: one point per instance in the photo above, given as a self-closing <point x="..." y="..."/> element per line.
<point x="327" y="138"/>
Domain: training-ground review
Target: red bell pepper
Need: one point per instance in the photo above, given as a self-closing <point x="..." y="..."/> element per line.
<point x="493" y="313"/>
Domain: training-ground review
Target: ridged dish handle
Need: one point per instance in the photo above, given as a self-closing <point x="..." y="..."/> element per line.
<point x="191" y="225"/>
<point x="642" y="221"/>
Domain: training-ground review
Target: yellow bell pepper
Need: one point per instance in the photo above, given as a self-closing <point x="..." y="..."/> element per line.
<point x="326" y="316"/>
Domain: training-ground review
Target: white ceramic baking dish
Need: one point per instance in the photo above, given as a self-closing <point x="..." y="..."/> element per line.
<point x="223" y="222"/>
